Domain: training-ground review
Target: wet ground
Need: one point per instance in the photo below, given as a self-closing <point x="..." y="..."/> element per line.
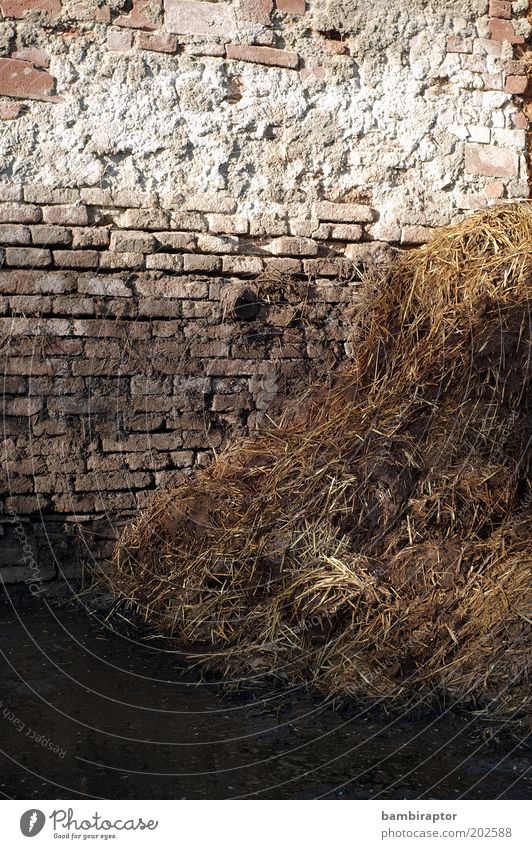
<point x="86" y="712"/>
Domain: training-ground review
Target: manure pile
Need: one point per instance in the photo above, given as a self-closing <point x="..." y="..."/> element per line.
<point x="377" y="542"/>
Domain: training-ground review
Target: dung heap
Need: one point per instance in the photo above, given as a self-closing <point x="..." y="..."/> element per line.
<point x="376" y="543"/>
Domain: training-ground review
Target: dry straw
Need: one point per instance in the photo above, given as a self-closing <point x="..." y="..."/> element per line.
<point x="376" y="543"/>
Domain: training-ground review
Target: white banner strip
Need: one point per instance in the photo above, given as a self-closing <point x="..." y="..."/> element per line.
<point x="267" y="824"/>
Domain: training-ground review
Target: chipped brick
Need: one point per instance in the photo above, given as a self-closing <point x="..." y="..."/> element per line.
<point x="262" y="55"/>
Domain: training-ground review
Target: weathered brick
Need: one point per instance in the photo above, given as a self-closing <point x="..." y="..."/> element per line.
<point x="165" y="262"/>
<point x="457" y="44"/>
<point x="23" y="406"/>
<point x="344" y="212"/>
<point x="516" y="84"/>
<point x="491" y="161"/>
<point x="119" y="40"/>
<point x="47" y="194"/>
<point x="283" y="265"/>
<point x="500" y="9"/>
<point x="191" y="18"/>
<point x="30" y="304"/>
<point x="509" y="138"/>
<point x="144" y="442"/>
<point x="34" y="55"/>
<point x="90" y="237"/>
<point x="143" y="15"/>
<point x="293" y="246"/>
<point x="217" y="244"/>
<point x="293" y="7"/>
<point x="66" y="214"/>
<point x="206" y="48"/>
<point x="15" y="234"/>
<point x="242" y="264"/>
<point x="201" y="262"/>
<point x="96" y="482"/>
<point x="21" y="79"/>
<point x="11" y="109"/>
<point x="22" y="213"/>
<point x="43" y="234"/>
<point x="258" y="11"/>
<point x="172" y="287"/>
<point x="262" y="55"/>
<point x="127" y="241"/>
<point x="176" y="241"/>
<point x="188" y="221"/>
<point x="116" y="260"/>
<point x="77" y="259"/>
<point x="231" y="224"/>
<point x="97" y="197"/>
<point x="416" y="235"/>
<point x="501" y="30"/>
<point x="18" y="8"/>
<point x="143" y="219"/>
<point x="159" y="42"/>
<point x="108" y="286"/>
<point x="28" y="257"/>
<point x="347" y="232"/>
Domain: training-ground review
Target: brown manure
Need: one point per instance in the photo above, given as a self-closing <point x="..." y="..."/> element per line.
<point x="376" y="542"/>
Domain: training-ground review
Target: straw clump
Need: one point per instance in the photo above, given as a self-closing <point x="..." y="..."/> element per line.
<point x="376" y="542"/>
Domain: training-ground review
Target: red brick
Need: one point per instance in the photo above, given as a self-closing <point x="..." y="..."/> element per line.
<point x="34" y="55"/>
<point x="28" y="257"/>
<point x="10" y="109"/>
<point x="21" y="79"/>
<point x="516" y="85"/>
<point x="457" y="44"/>
<point x="19" y="213"/>
<point x="212" y="19"/>
<point x="18" y="8"/>
<point x="500" y="9"/>
<point x="75" y="215"/>
<point x="262" y="55"/>
<point x="161" y="42"/>
<point x="503" y="31"/>
<point x="77" y="259"/>
<point x="491" y="161"/>
<point x="144" y="15"/>
<point x="520" y="121"/>
<point x="258" y="11"/>
<point x="293" y="7"/>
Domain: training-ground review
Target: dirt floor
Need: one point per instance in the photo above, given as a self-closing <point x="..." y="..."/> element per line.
<point x="86" y="712"/>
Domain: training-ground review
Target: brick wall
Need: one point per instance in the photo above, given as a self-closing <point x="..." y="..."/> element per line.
<point x="188" y="194"/>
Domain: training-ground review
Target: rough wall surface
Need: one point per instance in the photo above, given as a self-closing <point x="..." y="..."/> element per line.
<point x="165" y="169"/>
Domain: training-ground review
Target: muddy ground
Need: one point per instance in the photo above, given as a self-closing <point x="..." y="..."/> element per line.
<point x="86" y="712"/>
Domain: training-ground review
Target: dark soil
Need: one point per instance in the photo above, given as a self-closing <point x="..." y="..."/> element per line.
<point x="128" y="719"/>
